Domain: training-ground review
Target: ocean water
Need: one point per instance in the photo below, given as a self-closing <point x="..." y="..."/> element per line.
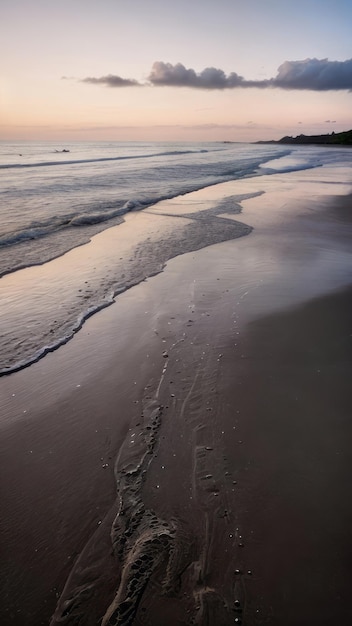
<point x="55" y="198"/>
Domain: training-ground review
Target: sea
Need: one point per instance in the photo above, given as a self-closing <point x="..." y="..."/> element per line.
<point x="56" y="197"/>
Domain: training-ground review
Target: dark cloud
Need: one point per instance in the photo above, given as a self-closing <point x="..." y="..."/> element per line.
<point x="309" y="74"/>
<point x="314" y="74"/>
<point x="166" y="74"/>
<point x="111" y="81"/>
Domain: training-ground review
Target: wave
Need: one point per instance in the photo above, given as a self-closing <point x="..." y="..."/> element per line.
<point x="37" y="231"/>
<point x="286" y="169"/>
<point x="101" y="159"/>
<point x="155" y="254"/>
<point x="82" y="318"/>
<point x="94" y="214"/>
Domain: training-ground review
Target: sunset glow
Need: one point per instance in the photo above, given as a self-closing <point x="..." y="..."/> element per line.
<point x="157" y="70"/>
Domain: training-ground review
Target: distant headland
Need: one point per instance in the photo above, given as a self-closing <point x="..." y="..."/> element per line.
<point x="334" y="139"/>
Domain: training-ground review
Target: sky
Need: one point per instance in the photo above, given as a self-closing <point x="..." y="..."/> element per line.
<point x="185" y="70"/>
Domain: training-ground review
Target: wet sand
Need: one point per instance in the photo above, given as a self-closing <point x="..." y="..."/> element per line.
<point x="185" y="459"/>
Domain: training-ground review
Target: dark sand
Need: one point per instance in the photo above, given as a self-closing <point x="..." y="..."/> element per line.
<point x="197" y="475"/>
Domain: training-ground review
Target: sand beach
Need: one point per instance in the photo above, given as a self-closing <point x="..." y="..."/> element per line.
<point x="185" y="458"/>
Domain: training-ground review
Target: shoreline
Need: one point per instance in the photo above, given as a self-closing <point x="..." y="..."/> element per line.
<point x="209" y="380"/>
<point x="146" y="241"/>
<point x="136" y="239"/>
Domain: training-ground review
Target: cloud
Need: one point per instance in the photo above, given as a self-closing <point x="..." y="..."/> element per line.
<point x="166" y="74"/>
<point x="111" y="81"/>
<point x="309" y="74"/>
<point x="314" y="74"/>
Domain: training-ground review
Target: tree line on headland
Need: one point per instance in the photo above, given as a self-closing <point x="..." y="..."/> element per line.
<point x="333" y="139"/>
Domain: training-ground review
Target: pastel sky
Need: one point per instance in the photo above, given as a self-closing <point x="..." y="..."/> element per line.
<point x="240" y="70"/>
